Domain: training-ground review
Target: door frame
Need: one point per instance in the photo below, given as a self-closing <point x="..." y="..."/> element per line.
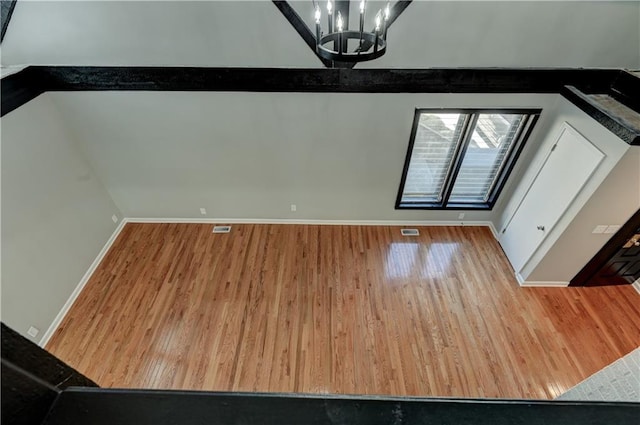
<point x="607" y="251"/>
<point x="584" y="145"/>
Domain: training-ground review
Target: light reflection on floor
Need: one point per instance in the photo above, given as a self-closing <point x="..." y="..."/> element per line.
<point x="405" y="259"/>
<point x="401" y="258"/>
<point x="437" y="262"/>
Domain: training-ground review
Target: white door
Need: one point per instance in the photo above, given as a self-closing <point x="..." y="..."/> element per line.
<point x="566" y="170"/>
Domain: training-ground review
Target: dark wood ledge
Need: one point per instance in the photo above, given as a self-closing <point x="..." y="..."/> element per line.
<point x="617" y="117"/>
<point x="101" y="406"/>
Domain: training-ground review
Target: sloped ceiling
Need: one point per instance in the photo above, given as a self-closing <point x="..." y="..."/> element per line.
<point x="201" y="33"/>
<point x="255" y="34"/>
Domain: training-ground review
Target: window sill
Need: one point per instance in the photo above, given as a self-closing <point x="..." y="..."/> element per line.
<point x="449" y="206"/>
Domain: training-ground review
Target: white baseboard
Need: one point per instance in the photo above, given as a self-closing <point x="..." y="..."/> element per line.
<point x="67" y="306"/>
<point x="544" y="284"/>
<point x="636" y="284"/>
<point x="313" y="222"/>
<point x="493" y="230"/>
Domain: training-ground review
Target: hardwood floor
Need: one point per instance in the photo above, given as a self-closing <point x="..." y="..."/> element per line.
<point x="336" y="309"/>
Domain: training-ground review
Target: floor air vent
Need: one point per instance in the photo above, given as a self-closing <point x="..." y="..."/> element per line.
<point x="221" y="229"/>
<point x="410" y="232"/>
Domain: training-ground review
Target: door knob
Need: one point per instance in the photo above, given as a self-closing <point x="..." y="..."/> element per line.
<point x="540" y="228"/>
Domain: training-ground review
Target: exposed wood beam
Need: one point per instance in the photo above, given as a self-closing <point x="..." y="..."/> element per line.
<point x="25" y="85"/>
<point x="437" y="80"/>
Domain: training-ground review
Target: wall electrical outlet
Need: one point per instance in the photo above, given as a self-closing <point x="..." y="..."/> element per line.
<point x="114" y="218"/>
<point x="33" y="332"/>
<point x="203" y="211"/>
<point x="294" y="208"/>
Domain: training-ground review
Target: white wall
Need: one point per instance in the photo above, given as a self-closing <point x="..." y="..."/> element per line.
<point x="56" y="216"/>
<point x="560" y="265"/>
<point x="251" y="155"/>
<point x="254" y="33"/>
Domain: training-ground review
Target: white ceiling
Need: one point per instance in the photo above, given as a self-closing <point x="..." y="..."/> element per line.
<point x="255" y="34"/>
<point x="154" y="33"/>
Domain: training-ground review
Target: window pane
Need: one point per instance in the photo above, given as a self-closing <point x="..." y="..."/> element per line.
<point x="490" y="144"/>
<point x="436" y="137"/>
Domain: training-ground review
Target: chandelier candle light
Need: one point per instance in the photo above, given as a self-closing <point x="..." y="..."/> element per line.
<point x="371" y="45"/>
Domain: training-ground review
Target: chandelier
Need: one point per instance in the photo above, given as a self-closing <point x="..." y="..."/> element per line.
<point x="334" y="44"/>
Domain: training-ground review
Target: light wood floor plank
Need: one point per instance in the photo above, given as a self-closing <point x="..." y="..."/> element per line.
<point x="336" y="309"/>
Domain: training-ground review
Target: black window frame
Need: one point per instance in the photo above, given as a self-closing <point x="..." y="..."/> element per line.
<point x="462" y="143"/>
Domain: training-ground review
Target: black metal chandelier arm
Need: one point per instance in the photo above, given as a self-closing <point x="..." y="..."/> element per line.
<point x="301" y="28"/>
<point x="396" y="10"/>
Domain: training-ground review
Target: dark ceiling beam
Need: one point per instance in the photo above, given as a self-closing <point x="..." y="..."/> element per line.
<point x="23" y="86"/>
<point x="19" y="88"/>
<point x="318" y="80"/>
<point x="6" y="10"/>
<point x="301" y="27"/>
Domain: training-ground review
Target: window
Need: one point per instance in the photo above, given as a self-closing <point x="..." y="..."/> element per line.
<point x="461" y="159"/>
